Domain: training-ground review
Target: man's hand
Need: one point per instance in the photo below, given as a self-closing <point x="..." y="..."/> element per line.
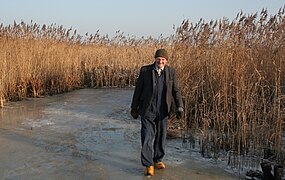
<point x="179" y="113"/>
<point x="135" y="113"/>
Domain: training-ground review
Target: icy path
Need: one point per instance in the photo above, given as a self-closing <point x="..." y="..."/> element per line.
<point x="86" y="134"/>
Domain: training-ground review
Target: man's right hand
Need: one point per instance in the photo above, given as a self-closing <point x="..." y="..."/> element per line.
<point x="135" y="113"/>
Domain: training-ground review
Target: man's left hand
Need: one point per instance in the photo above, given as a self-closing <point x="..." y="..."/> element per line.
<point x="179" y="113"/>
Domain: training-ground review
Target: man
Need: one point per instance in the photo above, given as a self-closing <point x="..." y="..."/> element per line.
<point x="155" y="90"/>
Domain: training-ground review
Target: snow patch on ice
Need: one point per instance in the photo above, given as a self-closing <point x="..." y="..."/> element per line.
<point x="38" y="122"/>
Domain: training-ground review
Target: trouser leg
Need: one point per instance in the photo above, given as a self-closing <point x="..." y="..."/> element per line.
<point x="160" y="139"/>
<point x="147" y="139"/>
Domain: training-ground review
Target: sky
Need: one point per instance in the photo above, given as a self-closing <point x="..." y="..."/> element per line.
<point x="132" y="17"/>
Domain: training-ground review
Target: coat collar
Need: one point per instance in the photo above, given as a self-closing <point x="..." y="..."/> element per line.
<point x="166" y="71"/>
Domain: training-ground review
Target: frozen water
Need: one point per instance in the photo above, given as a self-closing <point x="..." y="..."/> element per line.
<point x="87" y="134"/>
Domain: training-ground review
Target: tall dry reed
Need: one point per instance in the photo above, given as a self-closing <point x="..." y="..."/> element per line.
<point x="233" y="83"/>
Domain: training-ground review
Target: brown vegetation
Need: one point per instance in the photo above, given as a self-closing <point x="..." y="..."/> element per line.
<point x="231" y="74"/>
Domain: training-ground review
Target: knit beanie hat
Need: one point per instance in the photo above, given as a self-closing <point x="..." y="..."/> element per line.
<point x="161" y="53"/>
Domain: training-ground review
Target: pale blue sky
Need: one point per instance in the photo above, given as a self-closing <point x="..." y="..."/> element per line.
<point x="133" y="17"/>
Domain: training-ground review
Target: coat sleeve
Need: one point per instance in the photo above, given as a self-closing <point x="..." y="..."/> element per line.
<point x="176" y="91"/>
<point x="138" y="90"/>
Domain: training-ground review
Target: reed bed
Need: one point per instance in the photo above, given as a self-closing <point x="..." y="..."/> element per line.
<point x="231" y="75"/>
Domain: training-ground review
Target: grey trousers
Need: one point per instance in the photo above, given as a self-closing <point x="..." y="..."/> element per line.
<point x="153" y="139"/>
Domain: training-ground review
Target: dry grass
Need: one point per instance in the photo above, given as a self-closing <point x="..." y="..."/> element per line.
<point x="231" y="74"/>
<point x="233" y="83"/>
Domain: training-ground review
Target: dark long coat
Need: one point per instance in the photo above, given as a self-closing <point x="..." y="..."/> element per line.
<point x="143" y="93"/>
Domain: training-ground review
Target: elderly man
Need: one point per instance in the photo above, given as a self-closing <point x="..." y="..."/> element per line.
<point x="155" y="90"/>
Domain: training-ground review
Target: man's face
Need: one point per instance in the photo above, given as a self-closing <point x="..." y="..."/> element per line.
<point x="160" y="62"/>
